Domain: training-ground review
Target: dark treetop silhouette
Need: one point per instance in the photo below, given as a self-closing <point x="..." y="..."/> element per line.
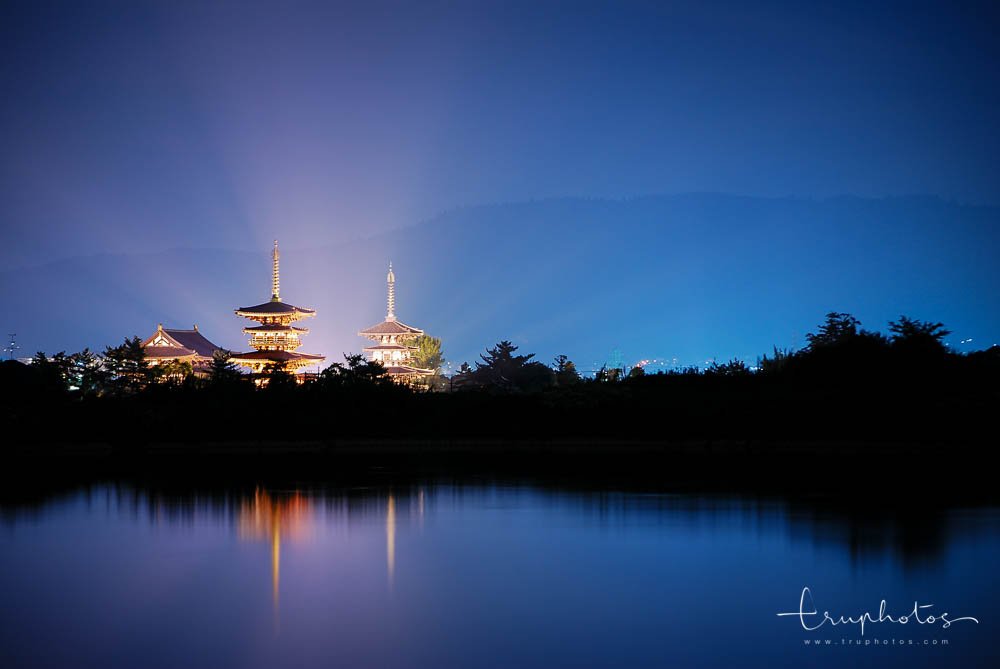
<point x="849" y="384"/>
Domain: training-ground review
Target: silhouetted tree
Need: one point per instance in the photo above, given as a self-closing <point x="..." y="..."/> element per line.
<point x="987" y="360"/>
<point x="463" y="378"/>
<point x="843" y="358"/>
<point x="223" y="371"/>
<point x="838" y="328"/>
<point x="849" y="383"/>
<point x="732" y="368"/>
<point x="358" y="373"/>
<point x="636" y="372"/>
<point x="19" y="385"/>
<point x="87" y="372"/>
<point x="499" y="365"/>
<point x="501" y="368"/>
<point x="277" y="379"/>
<point x="566" y="374"/>
<point x="126" y="366"/>
<point x="919" y="337"/>
<point x="775" y="364"/>
<point x="52" y="373"/>
<point x="535" y="376"/>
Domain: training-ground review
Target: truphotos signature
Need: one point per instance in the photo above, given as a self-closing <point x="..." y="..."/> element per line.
<point x="809" y="611"/>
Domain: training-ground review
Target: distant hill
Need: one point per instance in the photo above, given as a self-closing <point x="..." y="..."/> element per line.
<point x="687" y="277"/>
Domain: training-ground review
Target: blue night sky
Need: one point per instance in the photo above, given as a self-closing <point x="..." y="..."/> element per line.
<point x="140" y="128"/>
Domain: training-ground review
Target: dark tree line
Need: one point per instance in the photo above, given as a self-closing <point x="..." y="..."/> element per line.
<point x="848" y="383"/>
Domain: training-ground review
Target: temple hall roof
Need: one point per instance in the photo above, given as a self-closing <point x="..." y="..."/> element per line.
<point x="194" y="340"/>
<point x="173" y="343"/>
<point x="169" y="352"/>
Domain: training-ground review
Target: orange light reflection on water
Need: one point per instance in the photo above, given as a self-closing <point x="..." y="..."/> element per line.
<point x="268" y="517"/>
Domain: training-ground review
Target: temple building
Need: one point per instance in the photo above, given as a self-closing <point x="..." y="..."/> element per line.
<point x="275" y="341"/>
<point x="394" y="342"/>
<point x="168" y="344"/>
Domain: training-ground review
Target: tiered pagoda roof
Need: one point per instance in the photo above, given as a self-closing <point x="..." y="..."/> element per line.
<point x="277" y="355"/>
<point x="276" y="328"/>
<point x="275" y="339"/>
<point x="274" y="308"/>
<point x="390" y="326"/>
<point x="394" y="340"/>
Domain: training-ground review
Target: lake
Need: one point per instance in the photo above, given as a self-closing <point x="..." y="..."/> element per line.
<point x="486" y="572"/>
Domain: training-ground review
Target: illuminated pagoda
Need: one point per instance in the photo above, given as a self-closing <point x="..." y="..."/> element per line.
<point x="394" y="341"/>
<point x="275" y="341"/>
<point x="169" y="344"/>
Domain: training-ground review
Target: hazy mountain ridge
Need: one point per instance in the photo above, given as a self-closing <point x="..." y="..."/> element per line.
<point x="686" y="276"/>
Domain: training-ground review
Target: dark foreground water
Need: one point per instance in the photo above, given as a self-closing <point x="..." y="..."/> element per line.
<point x="487" y="574"/>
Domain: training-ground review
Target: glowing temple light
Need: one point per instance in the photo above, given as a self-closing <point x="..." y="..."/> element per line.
<point x="394" y="341"/>
<point x="275" y="340"/>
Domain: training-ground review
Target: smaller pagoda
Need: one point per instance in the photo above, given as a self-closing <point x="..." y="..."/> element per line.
<point x="394" y="341"/>
<point x="275" y="341"/>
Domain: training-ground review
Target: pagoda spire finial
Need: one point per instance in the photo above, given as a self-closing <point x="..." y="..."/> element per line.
<point x="275" y="284"/>
<point x="391" y="280"/>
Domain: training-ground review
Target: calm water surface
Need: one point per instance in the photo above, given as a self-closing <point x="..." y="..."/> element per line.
<point x="482" y="575"/>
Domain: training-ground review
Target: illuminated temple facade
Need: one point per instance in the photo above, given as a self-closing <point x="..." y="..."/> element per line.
<point x="394" y="342"/>
<point x="275" y="341"/>
<point x="170" y="344"/>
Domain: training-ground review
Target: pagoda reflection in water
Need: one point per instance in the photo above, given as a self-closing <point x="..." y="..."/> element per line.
<point x="267" y="518"/>
<point x="275" y="518"/>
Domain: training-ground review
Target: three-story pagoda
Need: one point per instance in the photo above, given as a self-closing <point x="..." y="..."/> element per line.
<point x="395" y="341"/>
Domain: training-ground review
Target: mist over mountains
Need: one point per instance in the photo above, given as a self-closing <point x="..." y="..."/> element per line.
<point x="686" y="277"/>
